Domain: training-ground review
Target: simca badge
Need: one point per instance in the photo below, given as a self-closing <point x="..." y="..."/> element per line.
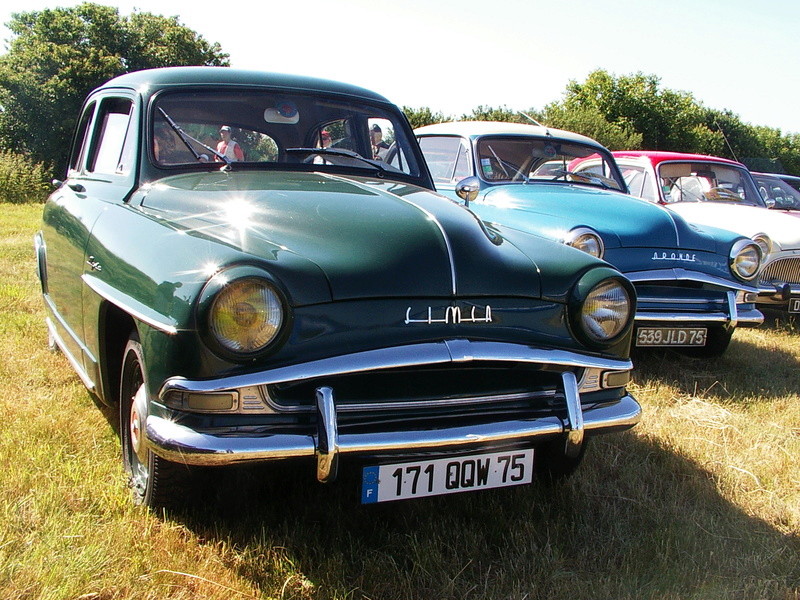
<point x="452" y="314"/>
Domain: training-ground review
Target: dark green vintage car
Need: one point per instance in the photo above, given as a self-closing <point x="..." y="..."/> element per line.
<point x="253" y="267"/>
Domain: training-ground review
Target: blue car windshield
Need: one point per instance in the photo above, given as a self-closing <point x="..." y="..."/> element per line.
<point x="260" y="127"/>
<point x="525" y="159"/>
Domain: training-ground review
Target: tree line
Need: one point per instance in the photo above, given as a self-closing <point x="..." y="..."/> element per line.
<point x="57" y="56"/>
<point x="634" y="112"/>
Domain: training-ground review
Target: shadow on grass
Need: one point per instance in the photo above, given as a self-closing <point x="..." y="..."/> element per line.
<point x="636" y="521"/>
<point x="744" y="371"/>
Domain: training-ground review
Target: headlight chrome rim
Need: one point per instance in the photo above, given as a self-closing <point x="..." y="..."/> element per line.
<point x="606" y="311"/>
<point x="764" y="242"/>
<point x="746" y="259"/>
<point x="586" y="240"/>
<point x="589" y="307"/>
<point x="243" y="313"/>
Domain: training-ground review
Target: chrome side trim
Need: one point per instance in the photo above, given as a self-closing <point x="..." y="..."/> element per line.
<point x="327" y="436"/>
<point x="83" y="375"/>
<point x="178" y="443"/>
<point x="447" y="351"/>
<point x="679" y="274"/>
<point x="574" y="414"/>
<point x="127" y="304"/>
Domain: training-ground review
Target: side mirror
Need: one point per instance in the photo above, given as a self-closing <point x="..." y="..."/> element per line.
<point x="467" y="189"/>
<point x="769" y="202"/>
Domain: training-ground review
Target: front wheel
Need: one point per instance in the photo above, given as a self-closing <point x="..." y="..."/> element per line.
<point x="155" y="482"/>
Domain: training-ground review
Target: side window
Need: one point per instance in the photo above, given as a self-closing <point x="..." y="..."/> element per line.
<point x="447" y="158"/>
<point x="648" y="191"/>
<point x="81" y="140"/>
<point x="109" y="150"/>
<point x="634" y="178"/>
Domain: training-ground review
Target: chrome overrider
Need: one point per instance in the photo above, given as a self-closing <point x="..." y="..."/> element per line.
<point x="179" y="443"/>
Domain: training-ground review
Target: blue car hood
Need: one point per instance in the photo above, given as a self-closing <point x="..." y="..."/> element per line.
<point x="551" y="210"/>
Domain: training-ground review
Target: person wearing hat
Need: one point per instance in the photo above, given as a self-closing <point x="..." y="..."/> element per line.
<point x="228" y="146"/>
<point x="379" y="147"/>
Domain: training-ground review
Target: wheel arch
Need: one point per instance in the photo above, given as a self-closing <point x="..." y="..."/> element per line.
<point x="116" y="327"/>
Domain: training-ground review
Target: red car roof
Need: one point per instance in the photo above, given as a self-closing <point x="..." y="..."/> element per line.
<point x="656" y="156"/>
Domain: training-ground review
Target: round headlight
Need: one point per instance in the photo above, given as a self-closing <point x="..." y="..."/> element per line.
<point x="585" y="240"/>
<point x="746" y="258"/>
<point x="606" y="311"/>
<point x="763" y="241"/>
<point x="246" y="315"/>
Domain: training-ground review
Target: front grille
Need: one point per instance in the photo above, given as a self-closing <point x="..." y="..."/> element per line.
<point x="679" y="296"/>
<point x="430" y="394"/>
<point x="783" y="270"/>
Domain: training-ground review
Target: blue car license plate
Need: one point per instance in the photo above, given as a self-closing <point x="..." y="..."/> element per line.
<point x="794" y="305"/>
<point x="671" y="336"/>
<point x="401" y="481"/>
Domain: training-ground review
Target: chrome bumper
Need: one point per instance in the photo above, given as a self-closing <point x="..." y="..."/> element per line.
<point x="178" y="443"/>
<point x="733" y="317"/>
<point x="778" y="294"/>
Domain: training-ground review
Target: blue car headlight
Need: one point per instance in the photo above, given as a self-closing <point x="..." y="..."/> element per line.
<point x="586" y="240"/>
<point x="745" y="259"/>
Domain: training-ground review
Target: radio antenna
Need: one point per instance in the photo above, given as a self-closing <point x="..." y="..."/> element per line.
<point x="724" y="137"/>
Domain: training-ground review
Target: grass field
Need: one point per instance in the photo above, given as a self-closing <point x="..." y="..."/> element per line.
<point x="701" y="500"/>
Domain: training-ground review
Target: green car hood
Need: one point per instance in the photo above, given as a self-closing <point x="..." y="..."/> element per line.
<point x="621" y="220"/>
<point x="367" y="237"/>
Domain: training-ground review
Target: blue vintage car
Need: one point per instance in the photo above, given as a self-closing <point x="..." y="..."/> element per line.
<point x="236" y="266"/>
<point x="694" y="285"/>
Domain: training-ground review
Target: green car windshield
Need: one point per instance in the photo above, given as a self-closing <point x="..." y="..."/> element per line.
<point x="258" y="127"/>
<point x="529" y="159"/>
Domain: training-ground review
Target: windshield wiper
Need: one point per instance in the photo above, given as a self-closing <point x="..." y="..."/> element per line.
<point x="339" y="152"/>
<point x="186" y="139"/>
<point x="582" y="178"/>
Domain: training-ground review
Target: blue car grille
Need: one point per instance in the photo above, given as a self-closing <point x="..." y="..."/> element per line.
<point x="783" y="270"/>
<point x="685" y="297"/>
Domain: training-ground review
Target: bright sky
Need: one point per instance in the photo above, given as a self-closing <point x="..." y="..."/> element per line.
<point x="454" y="55"/>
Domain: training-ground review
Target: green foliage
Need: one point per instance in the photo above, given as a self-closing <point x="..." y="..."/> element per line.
<point x="634" y="111"/>
<point x="418" y="117"/>
<point x="489" y="113"/>
<point x="590" y="122"/>
<point x="21" y="179"/>
<point x="57" y="56"/>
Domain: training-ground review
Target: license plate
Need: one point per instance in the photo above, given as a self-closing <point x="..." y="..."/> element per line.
<point x="794" y="305"/>
<point x="402" y="481"/>
<point x="671" y="336"/>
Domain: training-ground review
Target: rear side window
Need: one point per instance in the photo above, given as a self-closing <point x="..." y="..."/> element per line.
<point x="81" y="139"/>
<point x="112" y="149"/>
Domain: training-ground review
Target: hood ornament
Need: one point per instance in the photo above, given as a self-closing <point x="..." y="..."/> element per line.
<point x="453" y="315"/>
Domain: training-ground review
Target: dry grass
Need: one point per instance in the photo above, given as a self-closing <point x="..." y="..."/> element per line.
<point x="701" y="500"/>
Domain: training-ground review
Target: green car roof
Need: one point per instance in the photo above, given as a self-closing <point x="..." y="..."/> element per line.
<point x="225" y="76"/>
